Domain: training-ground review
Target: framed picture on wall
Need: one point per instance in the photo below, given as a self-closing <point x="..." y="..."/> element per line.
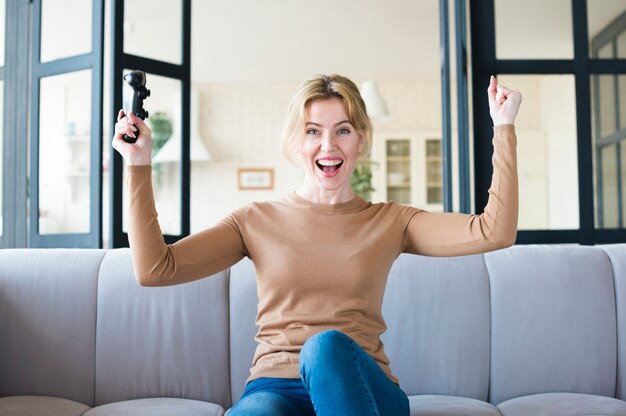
<point x="255" y="178"/>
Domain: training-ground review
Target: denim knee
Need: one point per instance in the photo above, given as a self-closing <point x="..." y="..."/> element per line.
<point x="323" y="346"/>
<point x="263" y="404"/>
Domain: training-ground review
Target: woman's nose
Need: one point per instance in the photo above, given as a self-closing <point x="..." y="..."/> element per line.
<point x="328" y="143"/>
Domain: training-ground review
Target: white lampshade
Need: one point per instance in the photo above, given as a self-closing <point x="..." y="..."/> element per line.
<point x="374" y="102"/>
<point x="170" y="152"/>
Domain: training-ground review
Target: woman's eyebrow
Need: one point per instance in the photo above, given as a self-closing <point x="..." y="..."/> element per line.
<point x="319" y="125"/>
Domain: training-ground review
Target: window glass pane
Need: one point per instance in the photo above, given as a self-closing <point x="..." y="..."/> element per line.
<point x="621" y="100"/>
<point x="609" y="140"/>
<point x="608" y="201"/>
<point x="535" y="35"/>
<point x="65" y="153"/>
<point x="163" y="107"/>
<point x="107" y="117"/>
<point x="1" y="151"/>
<point x="60" y="38"/>
<point x="2" y="29"/>
<point x="623" y="179"/>
<point x="606" y="51"/>
<point x="606" y="24"/>
<point x="621" y="45"/>
<point x="547" y="152"/>
<point x="605" y="94"/>
<point x="154" y="29"/>
<point x="243" y="96"/>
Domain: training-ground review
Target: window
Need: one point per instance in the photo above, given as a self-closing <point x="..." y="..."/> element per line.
<point x="164" y="55"/>
<point x="609" y="123"/>
<point x="2" y="35"/>
<point x="570" y="129"/>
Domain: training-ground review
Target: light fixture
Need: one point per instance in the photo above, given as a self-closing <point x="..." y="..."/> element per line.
<point x="376" y="107"/>
<point x="170" y="152"/>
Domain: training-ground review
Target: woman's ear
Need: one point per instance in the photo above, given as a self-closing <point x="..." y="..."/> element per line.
<point x="361" y="144"/>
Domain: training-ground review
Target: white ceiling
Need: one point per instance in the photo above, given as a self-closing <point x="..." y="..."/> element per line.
<point x="387" y="40"/>
<point x="289" y="40"/>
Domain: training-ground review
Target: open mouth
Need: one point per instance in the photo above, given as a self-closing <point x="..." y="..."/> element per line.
<point x="329" y="165"/>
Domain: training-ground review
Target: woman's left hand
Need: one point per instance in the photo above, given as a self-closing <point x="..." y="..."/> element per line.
<point x="503" y="103"/>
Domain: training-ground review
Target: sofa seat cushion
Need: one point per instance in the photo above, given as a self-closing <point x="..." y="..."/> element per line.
<point x="565" y="404"/>
<point x="161" y="406"/>
<point x="40" y="405"/>
<point x="438" y="405"/>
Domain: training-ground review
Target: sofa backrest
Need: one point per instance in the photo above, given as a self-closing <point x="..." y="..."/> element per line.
<point x="617" y="256"/>
<point x="162" y="341"/>
<point x="243" y="309"/>
<point x="529" y="319"/>
<point x="438" y="315"/>
<point x="437" y="312"/>
<point x="553" y="322"/>
<point x="48" y="321"/>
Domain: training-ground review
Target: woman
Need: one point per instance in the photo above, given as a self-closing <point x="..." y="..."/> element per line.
<point x="322" y="254"/>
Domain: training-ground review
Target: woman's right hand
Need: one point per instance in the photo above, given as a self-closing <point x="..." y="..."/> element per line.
<point x="503" y="103"/>
<point x="140" y="152"/>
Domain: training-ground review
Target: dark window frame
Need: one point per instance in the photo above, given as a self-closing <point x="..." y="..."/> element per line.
<point x="20" y="144"/>
<point x="608" y="37"/>
<point x="15" y="134"/>
<point x="462" y="82"/>
<point x="182" y="72"/>
<point x="94" y="62"/>
<point x="485" y="63"/>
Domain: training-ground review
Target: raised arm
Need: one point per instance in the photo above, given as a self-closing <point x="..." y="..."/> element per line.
<point x="448" y="234"/>
<point x="156" y="263"/>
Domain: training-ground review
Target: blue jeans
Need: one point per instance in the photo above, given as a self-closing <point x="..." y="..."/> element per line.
<point x="336" y="378"/>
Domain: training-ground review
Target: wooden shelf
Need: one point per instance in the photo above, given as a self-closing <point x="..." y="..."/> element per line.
<point x="398" y="158"/>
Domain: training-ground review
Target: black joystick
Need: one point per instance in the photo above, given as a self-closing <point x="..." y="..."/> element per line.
<point x="135" y="92"/>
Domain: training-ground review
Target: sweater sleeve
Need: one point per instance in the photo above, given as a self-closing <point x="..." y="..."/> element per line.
<point x="451" y="234"/>
<point x="193" y="257"/>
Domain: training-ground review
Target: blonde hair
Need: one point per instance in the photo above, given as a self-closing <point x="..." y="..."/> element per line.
<point x="323" y="87"/>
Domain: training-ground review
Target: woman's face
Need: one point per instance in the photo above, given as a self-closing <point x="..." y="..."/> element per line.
<point x="330" y="147"/>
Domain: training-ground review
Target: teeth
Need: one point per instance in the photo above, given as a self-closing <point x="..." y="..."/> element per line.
<point x="333" y="162"/>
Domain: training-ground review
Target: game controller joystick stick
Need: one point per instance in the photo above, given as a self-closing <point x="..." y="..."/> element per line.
<point x="135" y="92"/>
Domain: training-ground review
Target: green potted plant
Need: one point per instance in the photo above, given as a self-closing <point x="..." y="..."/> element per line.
<point x="361" y="181"/>
<point x="162" y="130"/>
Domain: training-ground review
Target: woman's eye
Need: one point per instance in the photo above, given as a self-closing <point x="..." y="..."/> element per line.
<point x="312" y="131"/>
<point x="344" y="131"/>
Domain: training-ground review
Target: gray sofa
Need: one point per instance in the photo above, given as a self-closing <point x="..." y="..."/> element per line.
<point x="530" y="330"/>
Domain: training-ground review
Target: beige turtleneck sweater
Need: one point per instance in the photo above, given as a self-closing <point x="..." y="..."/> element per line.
<point x="320" y="266"/>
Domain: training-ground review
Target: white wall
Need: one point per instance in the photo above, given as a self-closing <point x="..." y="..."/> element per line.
<point x="559" y="118"/>
<point x="241" y="123"/>
<point x="547" y="151"/>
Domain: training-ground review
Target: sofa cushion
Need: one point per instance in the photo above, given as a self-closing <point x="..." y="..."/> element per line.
<point x="243" y="310"/>
<point x="161" y="406"/>
<point x="564" y="404"/>
<point x="553" y="321"/>
<point x="160" y="341"/>
<point x="437" y="405"/>
<point x="40" y="405"/>
<point x="617" y="255"/>
<point x="437" y="311"/>
<point x="48" y="322"/>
